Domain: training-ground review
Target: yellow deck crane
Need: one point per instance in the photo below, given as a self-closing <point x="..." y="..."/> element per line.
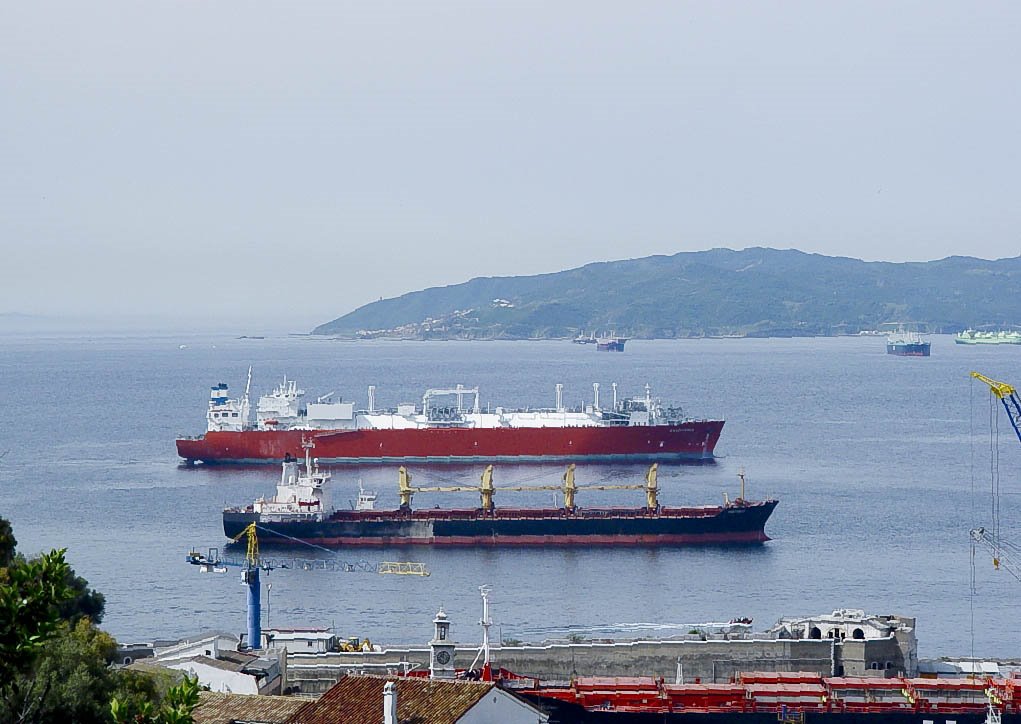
<point x="487" y="490"/>
<point x="1001" y="549"/>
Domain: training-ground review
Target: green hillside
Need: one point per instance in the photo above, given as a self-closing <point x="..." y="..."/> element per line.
<point x="755" y="292"/>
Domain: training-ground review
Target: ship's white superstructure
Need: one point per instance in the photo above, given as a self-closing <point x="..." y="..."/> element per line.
<point x="299" y="496"/>
<point x="458" y="407"/>
<point x="225" y="414"/>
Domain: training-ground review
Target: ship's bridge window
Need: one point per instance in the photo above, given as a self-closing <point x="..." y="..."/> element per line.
<point x="234" y="414"/>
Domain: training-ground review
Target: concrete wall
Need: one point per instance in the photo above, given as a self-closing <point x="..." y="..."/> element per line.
<point x="709" y="661"/>
<point x="877" y="657"/>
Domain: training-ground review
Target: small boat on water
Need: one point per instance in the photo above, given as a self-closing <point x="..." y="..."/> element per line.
<point x="971" y="336"/>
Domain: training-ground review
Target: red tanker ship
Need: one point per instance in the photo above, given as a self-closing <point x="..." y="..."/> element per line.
<point x="448" y="426"/>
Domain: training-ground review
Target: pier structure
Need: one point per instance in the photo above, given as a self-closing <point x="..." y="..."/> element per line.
<point x="885" y="648"/>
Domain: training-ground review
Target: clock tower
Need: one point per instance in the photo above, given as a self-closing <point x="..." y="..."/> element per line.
<point x="441" y="660"/>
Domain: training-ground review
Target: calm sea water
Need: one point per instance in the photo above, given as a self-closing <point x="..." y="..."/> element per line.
<point x="881" y="465"/>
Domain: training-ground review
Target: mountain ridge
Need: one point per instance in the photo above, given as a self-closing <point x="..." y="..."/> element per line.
<point x="757" y="291"/>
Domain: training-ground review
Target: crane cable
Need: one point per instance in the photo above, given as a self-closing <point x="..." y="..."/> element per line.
<point x="971" y="450"/>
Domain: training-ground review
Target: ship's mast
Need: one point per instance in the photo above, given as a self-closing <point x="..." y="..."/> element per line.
<point x="308" y="444"/>
<point x="244" y="400"/>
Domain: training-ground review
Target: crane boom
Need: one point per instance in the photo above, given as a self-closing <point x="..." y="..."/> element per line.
<point x="487" y="491"/>
<point x="252" y="551"/>
<point x="1008" y="396"/>
<point x="996" y="546"/>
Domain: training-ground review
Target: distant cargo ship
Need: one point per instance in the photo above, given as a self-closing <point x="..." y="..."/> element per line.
<point x="299" y="512"/>
<point x="907" y="344"/>
<point x="970" y="336"/>
<point x="449" y="426"/>
<point x="611" y="343"/>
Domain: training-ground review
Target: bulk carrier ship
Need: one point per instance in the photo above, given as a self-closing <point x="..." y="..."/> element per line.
<point x="448" y="426"/>
<point x="300" y="513"/>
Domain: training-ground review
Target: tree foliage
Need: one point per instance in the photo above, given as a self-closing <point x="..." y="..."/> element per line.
<point x="176" y="708"/>
<point x="31" y="594"/>
<point x="55" y="663"/>
<point x="8" y="543"/>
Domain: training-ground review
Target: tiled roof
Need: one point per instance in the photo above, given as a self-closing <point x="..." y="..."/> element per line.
<point x="217" y="708"/>
<point x="359" y="700"/>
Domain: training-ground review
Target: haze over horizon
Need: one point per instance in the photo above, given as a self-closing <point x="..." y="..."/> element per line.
<point x="284" y="164"/>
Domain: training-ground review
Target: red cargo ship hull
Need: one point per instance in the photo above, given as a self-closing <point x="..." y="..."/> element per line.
<point x="690" y="440"/>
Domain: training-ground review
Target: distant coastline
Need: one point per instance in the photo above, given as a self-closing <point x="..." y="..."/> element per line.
<point x="719" y="293"/>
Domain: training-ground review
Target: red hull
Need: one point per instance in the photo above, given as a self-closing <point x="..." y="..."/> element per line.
<point x="693" y="440"/>
<point x="552" y="540"/>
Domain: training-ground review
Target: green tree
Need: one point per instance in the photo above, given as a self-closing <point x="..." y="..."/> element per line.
<point x="71" y="679"/>
<point x="84" y="602"/>
<point x="55" y="663"/>
<point x="31" y="593"/>
<point x="8" y="543"/>
<point x="176" y="708"/>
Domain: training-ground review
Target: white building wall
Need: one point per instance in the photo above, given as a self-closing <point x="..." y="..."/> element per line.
<point x="209" y="646"/>
<point x="227" y="682"/>
<point x="499" y="707"/>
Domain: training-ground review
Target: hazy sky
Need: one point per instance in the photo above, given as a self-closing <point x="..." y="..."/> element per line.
<point x="290" y="161"/>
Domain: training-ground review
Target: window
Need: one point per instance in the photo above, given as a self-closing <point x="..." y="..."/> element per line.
<point x="857" y="634"/>
<point x="814" y="633"/>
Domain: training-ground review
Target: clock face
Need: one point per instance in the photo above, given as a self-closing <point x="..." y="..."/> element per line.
<point x="443" y="657"/>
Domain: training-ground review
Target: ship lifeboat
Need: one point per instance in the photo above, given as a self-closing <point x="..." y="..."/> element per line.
<point x="270" y="423"/>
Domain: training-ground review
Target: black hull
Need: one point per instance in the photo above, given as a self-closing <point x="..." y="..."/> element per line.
<point x="914" y="349"/>
<point x="736" y="524"/>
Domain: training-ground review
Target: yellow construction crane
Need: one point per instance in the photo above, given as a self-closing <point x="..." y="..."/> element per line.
<point x="1007" y="395"/>
<point x="252" y="550"/>
<point x="999" y="547"/>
